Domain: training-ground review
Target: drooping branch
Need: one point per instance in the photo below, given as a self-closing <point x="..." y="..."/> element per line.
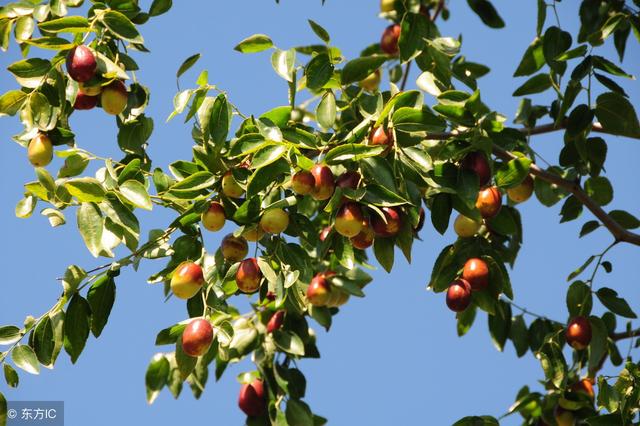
<point x="617" y="230"/>
<point x="626" y="335"/>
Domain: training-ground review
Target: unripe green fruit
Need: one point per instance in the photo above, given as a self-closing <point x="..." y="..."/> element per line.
<point x="230" y="187"/>
<point x="274" y="221"/>
<point x="114" y="97"/>
<point x="371" y="82"/>
<point x="466" y="227"/>
<point x="40" y="150"/>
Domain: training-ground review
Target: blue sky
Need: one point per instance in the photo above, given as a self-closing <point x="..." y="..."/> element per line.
<point x="391" y="358"/>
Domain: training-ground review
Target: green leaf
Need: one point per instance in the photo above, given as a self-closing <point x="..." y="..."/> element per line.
<point x="416" y="120"/>
<point x="3" y="410"/>
<point x="50" y="43"/>
<point x="255" y="43"/>
<point x="30" y="68"/>
<point x="589" y="227"/>
<point x="318" y="71"/>
<point x="25" y="206"/>
<point x="477" y="421"/>
<point x="137" y="194"/>
<point x="326" y="111"/>
<point x="609" y="298"/>
<point x="536" y="84"/>
<point x="76" y="326"/>
<point x="499" y="325"/>
<point x="284" y="62"/>
<point x="25" y="358"/>
<point x="187" y="63"/>
<point x="414" y="29"/>
<point x="320" y="32"/>
<point x="553" y="362"/>
<point x="599" y="189"/>
<point x="68" y="24"/>
<point x="352" y="152"/>
<point x="465" y="320"/>
<point x="289" y="342"/>
<point x="90" y="225"/>
<point x="121" y="26"/>
<point x="441" y="208"/>
<point x="298" y="413"/>
<point x="156" y="376"/>
<point x="485" y="10"/>
<point x="158" y="7"/>
<point x="383" y="249"/>
<point x="12" y="379"/>
<point x="359" y="68"/>
<point x="220" y="120"/>
<point x="519" y="335"/>
<point x="43" y="341"/>
<point x="579" y="299"/>
<point x="11" y="102"/>
<point x="268" y="155"/>
<point x="573" y="53"/>
<point x="554" y="43"/>
<point x="101" y="296"/>
<point x="598" y="344"/>
<point x="513" y="172"/>
<point x="532" y="60"/>
<point x="625" y="219"/>
<point x="9" y="334"/>
<point x="617" y="115"/>
<point x="86" y="189"/>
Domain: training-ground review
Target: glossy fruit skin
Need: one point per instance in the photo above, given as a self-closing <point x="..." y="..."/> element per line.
<point x="371" y="82"/>
<point x="81" y="63"/>
<point x="387" y="5"/>
<point x="248" y="276"/>
<point x="584" y="386"/>
<point x="85" y="102"/>
<point x="252" y="398"/>
<point x="477" y="162"/>
<point x="325" y="232"/>
<point x="302" y="183"/>
<point x="489" y="202"/>
<point x="253" y="233"/>
<point x="324" y="184"/>
<point x="522" y="192"/>
<point x="349" y="220"/>
<point x="187" y="279"/>
<point x="459" y="295"/>
<point x="233" y="248"/>
<point x="319" y="290"/>
<point x="40" y="150"/>
<point x="230" y="187"/>
<point x="392" y="225"/>
<point x="466" y="227"/>
<point x="274" y="221"/>
<point x="275" y="322"/>
<point x="421" y="217"/>
<point x="213" y="218"/>
<point x="476" y="273"/>
<point x="563" y="417"/>
<point x="114" y="97"/>
<point x="365" y="237"/>
<point x="349" y="179"/>
<point x="383" y="137"/>
<point x="389" y="40"/>
<point x="578" y="333"/>
<point x="91" y="88"/>
<point x="197" y="337"/>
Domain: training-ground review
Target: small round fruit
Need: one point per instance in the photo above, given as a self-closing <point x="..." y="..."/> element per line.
<point x="91" y="88"/>
<point x="114" y="97"/>
<point x="365" y="237"/>
<point x="252" y="398"/>
<point x="382" y="137"/>
<point x="459" y="295"/>
<point x="477" y="162"/>
<point x="302" y="183"/>
<point x="578" y="333"/>
<point x="197" y="337"/>
<point x="253" y="233"/>
<point x="275" y="322"/>
<point x="40" y="150"/>
<point x="349" y="220"/>
<point x="563" y="417"/>
<point x="389" y="40"/>
<point x="348" y="180"/>
<point x="324" y="184"/>
<point x="391" y="226"/>
<point x="319" y="290"/>
<point x="248" y="276"/>
<point x="466" y="227"/>
<point x="387" y="6"/>
<point x="230" y="187"/>
<point x="81" y="63"/>
<point x="476" y="273"/>
<point x="187" y="280"/>
<point x="274" y="221"/>
<point x="233" y="248"/>
<point x="489" y="202"/>
<point x="584" y="386"/>
<point x="371" y="82"/>
<point x="85" y="102"/>
<point x="521" y="192"/>
<point x="213" y="218"/>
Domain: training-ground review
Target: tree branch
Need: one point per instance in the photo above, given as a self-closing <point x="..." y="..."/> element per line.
<point x="625" y="335"/>
<point x="618" y="232"/>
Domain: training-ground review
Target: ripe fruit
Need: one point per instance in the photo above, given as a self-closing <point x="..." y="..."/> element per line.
<point x="420" y="224"/>
<point x="230" y="187"/>
<point x="392" y="225"/>
<point x="584" y="386"/>
<point x="489" y="202"/>
<point x="522" y="192"/>
<point x="248" y="276"/>
<point x="563" y="417"/>
<point x="114" y="97"/>
<point x="319" y="290"/>
<point x="40" y="150"/>
<point x="365" y="237"/>
<point x="274" y="221"/>
<point x="251" y="400"/>
<point x="387" y="5"/>
<point x="81" y="63"/>
<point x="476" y="273"/>
<point x="253" y="233"/>
<point x="477" y="162"/>
<point x="187" y="279"/>
<point x="213" y="218"/>
<point x="324" y="184"/>
<point x="302" y="183"/>
<point x="389" y="40"/>
<point x="383" y="137"/>
<point x="578" y="333"/>
<point x="197" y="337"/>
<point x="275" y="322"/>
<point x="371" y="82"/>
<point x="466" y="227"/>
<point x="349" y="179"/>
<point x="91" y="88"/>
<point x="234" y="249"/>
<point x="459" y="295"/>
<point x="85" y="102"/>
<point x="349" y="220"/>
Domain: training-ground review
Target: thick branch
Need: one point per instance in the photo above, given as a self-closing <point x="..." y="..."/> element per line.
<point x="618" y="232"/>
<point x="625" y="335"/>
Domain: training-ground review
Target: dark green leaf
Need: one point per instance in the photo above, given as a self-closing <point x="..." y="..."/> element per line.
<point x="121" y="26"/>
<point x="187" y="63"/>
<point x="536" y="84"/>
<point x="318" y="71"/>
<point x="76" y="326"/>
<point x="609" y="298"/>
<point x="359" y="68"/>
<point x="617" y="115"/>
<point x="101" y="296"/>
<point x="254" y="43"/>
<point x="485" y="10"/>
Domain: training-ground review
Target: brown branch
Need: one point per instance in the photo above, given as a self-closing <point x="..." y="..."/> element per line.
<point x="625" y="335"/>
<point x="618" y="232"/>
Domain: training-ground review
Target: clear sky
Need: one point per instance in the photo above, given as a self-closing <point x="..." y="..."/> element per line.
<point x="391" y="358"/>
